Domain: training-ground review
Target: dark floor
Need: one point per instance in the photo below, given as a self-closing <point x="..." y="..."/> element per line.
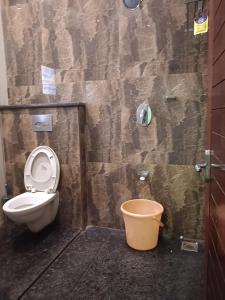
<point x="95" y="264"/>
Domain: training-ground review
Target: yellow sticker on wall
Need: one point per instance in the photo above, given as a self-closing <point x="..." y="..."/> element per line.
<point x="201" y="25"/>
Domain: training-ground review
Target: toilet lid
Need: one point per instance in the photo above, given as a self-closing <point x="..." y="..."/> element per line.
<point x="42" y="170"/>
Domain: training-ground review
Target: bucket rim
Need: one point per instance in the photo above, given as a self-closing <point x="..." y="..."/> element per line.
<point x="124" y="211"/>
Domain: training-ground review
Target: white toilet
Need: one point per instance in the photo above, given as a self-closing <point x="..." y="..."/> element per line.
<point x="39" y="205"/>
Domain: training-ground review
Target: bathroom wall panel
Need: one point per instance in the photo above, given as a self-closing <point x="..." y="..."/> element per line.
<point x="219" y="149"/>
<point x="3" y="74"/>
<point x="213" y="287"/>
<point x="3" y="101"/>
<point x="219" y="139"/>
<point x="218" y="70"/>
<point x="218" y="253"/>
<point x="217" y="205"/>
<point x="66" y="140"/>
<point x="216" y="5"/>
<point x="219" y="18"/>
<point x="113" y="59"/>
<point x="218" y="92"/>
<point x="216" y="202"/>
<point x="104" y="119"/>
<point x="216" y="257"/>
<point x="219" y="43"/>
<point x="170" y="137"/>
<point x="60" y="24"/>
<point x="178" y="188"/>
<point x="72" y="92"/>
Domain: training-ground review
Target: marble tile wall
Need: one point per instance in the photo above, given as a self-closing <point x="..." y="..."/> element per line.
<point x="66" y="140"/>
<point x="113" y="59"/>
<point x="2" y="175"/>
<point x="3" y="101"/>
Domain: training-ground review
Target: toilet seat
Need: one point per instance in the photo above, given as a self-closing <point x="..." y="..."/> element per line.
<point x="42" y="170"/>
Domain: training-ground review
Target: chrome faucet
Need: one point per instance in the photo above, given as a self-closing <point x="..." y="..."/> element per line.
<point x="143" y="175"/>
<point x="200" y="167"/>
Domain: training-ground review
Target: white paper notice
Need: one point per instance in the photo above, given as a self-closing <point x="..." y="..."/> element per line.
<point x="48" y="81"/>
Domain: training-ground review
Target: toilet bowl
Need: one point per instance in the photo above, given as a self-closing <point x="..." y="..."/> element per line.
<point x="38" y="206"/>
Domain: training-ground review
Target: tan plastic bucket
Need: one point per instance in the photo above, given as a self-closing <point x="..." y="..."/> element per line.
<point x="142" y="219"/>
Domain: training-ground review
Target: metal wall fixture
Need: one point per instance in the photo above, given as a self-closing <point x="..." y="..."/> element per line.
<point x="170" y="98"/>
<point x="42" y="122"/>
<point x="142" y="175"/>
<point x="144" y="115"/>
<point x="133" y="4"/>
<point x="206" y="166"/>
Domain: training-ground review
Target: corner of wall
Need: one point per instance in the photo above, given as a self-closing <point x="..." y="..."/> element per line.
<point x="2" y="174"/>
<point x="3" y="73"/>
<point x="3" y="101"/>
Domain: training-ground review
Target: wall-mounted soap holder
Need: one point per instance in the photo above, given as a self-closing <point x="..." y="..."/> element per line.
<point x="170" y="98"/>
<point x="144" y="115"/>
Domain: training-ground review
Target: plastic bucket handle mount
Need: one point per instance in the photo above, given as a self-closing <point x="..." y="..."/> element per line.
<point x="160" y="223"/>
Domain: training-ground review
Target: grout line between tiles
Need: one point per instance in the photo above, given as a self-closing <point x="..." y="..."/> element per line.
<point x="49" y="264"/>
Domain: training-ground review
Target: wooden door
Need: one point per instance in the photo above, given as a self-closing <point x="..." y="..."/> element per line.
<point x="215" y="229"/>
